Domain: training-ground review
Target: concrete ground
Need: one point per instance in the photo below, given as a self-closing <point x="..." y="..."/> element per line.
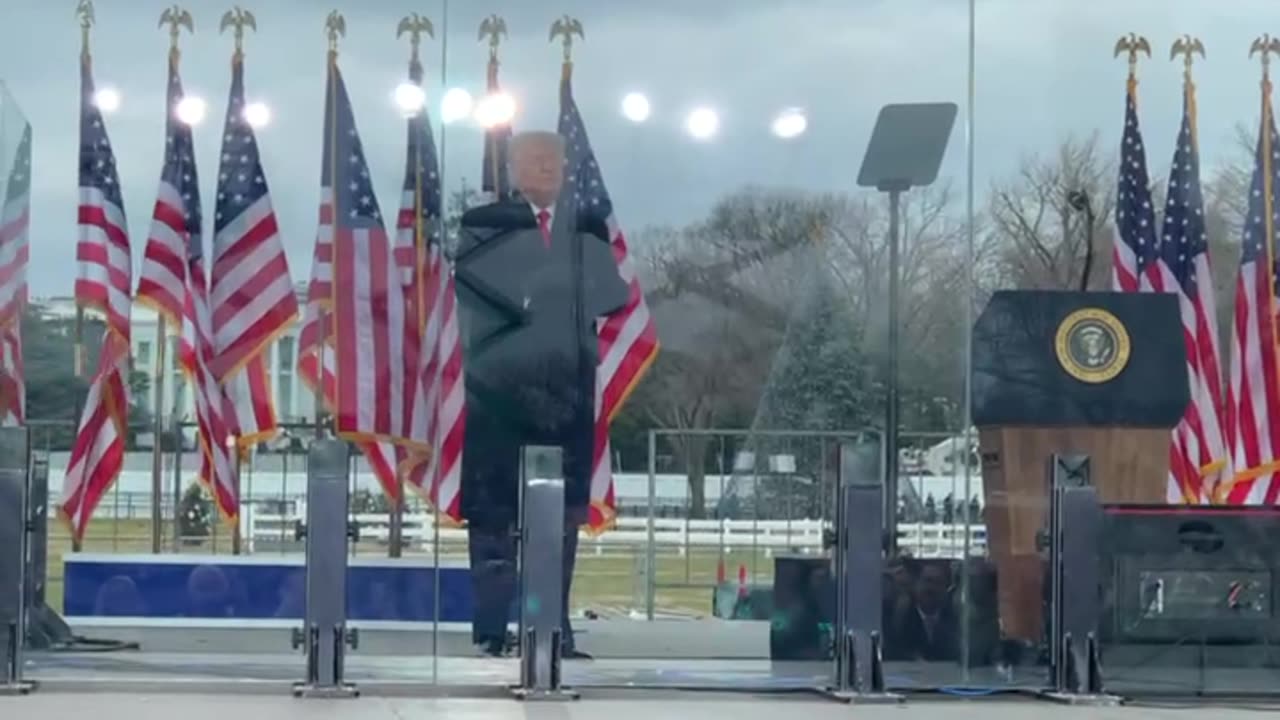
<point x="141" y="706"/>
<point x="683" y="654"/>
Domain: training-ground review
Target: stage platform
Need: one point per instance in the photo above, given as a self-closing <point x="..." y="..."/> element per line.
<point x="425" y="676"/>
<point x="118" y="706"/>
<point x="688" y="655"/>
<point x="615" y="638"/>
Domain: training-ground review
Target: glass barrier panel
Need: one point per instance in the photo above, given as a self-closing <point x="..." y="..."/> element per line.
<point x="724" y="151"/>
<point x="1111" y="161"/>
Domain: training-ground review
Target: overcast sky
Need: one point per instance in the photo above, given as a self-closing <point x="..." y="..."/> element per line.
<point x="1044" y="70"/>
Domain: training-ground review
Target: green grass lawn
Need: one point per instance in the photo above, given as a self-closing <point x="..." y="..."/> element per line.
<point x="608" y="584"/>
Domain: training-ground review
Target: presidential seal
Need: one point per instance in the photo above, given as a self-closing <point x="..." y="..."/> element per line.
<point x="1092" y="345"/>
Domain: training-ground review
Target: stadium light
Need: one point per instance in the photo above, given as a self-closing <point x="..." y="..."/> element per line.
<point x="257" y="114"/>
<point x="495" y="109"/>
<point x="790" y="124"/>
<point x="456" y="105"/>
<point x="107" y="99"/>
<point x="191" y="110"/>
<point x="635" y="107"/>
<point x="703" y="124"/>
<point x="410" y="98"/>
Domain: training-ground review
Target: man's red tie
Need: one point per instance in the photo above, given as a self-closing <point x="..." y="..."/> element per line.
<point x="544" y="224"/>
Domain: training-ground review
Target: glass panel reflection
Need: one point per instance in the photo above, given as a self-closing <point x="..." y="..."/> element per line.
<point x="764" y="270"/>
<point x="720" y="142"/>
<point x="1146" y="191"/>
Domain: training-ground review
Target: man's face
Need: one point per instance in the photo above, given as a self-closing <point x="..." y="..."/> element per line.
<point x="931" y="588"/>
<point x="539" y="172"/>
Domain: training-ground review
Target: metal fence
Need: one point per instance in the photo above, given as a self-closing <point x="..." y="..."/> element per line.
<point x="734" y="500"/>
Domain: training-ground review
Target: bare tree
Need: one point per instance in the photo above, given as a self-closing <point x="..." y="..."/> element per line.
<point x="719" y="295"/>
<point x="1226" y="198"/>
<point x="933" y="291"/>
<point x="1042" y="239"/>
<point x="725" y="291"/>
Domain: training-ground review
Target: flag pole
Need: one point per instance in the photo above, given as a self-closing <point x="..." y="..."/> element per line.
<point x="336" y="26"/>
<point x="1187" y="47"/>
<point x="85" y="12"/>
<point x="237" y="19"/>
<point x="434" y="493"/>
<point x="415" y="25"/>
<point x="1264" y="46"/>
<point x="1133" y="44"/>
<point x="565" y="28"/>
<point x="493" y="28"/>
<point x="174" y="18"/>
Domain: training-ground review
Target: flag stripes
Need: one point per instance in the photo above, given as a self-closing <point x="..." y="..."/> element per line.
<point x="104" y="279"/>
<point x="1254" y="388"/>
<point x="628" y="342"/>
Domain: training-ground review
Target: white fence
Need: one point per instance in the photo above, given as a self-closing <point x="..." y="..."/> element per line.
<point x="631" y="535"/>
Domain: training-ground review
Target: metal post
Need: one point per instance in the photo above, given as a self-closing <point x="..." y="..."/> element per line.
<point x="37" y="558"/>
<point x="327" y="530"/>
<point x="157" y="426"/>
<point x="234" y="447"/>
<point x="247" y="501"/>
<point x="542" y="534"/>
<point x="1075" y="527"/>
<point x="859" y="565"/>
<point x="651" y="548"/>
<point x="45" y="628"/>
<point x="395" y="536"/>
<point x="177" y="488"/>
<point x="284" y="486"/>
<point x="891" y="404"/>
<point x="970" y="297"/>
<point x="14" y="453"/>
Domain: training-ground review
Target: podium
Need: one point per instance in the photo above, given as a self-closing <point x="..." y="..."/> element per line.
<point x="1100" y="374"/>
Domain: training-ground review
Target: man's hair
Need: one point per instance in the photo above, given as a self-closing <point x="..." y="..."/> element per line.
<point x="534" y="137"/>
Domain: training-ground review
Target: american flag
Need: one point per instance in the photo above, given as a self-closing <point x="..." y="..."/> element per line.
<point x="104" y="269"/>
<point x="104" y="282"/>
<point x="97" y="456"/>
<point x="253" y="301"/>
<point x="1253" y="399"/>
<point x="1198" y="451"/>
<point x="628" y="338"/>
<point x="15" y="213"/>
<point x="438" y="403"/>
<point x="1135" y="240"/>
<point x="355" y="291"/>
<point x="173" y="269"/>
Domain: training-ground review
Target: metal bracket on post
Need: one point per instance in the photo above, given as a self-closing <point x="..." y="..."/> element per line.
<point x="1075" y="525"/>
<point x="859" y="566"/>
<point x="542" y="528"/>
<point x="45" y="627"/>
<point x="324" y="634"/>
<point x="14" y="533"/>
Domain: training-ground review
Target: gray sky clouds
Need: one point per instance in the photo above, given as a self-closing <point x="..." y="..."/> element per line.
<point x="1044" y="70"/>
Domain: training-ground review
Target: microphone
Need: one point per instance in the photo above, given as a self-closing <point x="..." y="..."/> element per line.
<point x="1079" y="201"/>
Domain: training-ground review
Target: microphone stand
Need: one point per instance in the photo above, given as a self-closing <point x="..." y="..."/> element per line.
<point x="1079" y="201"/>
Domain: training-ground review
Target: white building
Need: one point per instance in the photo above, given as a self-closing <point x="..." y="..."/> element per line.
<point x="293" y="400"/>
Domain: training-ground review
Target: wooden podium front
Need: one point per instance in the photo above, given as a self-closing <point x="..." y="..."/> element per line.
<point x="1100" y="374"/>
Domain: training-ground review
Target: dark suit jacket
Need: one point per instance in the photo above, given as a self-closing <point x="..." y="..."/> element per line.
<point x="908" y="638"/>
<point x="528" y="319"/>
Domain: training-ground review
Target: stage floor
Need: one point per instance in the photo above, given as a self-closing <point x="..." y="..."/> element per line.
<point x="120" y="706"/>
<point x="396" y="659"/>
<point x="401" y="675"/>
